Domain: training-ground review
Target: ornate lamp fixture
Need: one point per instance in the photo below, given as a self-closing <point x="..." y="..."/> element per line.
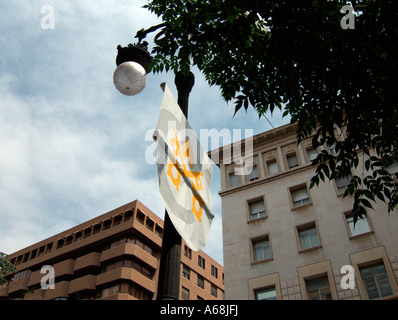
<point x="130" y="76"/>
<point x="132" y="62"/>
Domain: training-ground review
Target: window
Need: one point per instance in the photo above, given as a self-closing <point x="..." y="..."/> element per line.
<point x="233" y="179"/>
<point x="201" y="282"/>
<point x="342" y="183"/>
<point x="114" y="243"/>
<point x="187" y="252"/>
<point x="49" y="247"/>
<point x="128" y="215"/>
<point x="87" y="232"/>
<point x="41" y="251"/>
<point x="393" y="169"/>
<point x="78" y="236"/>
<point x="214" y="271"/>
<point x="25" y="257"/>
<point x="376" y="281"/>
<point x="60" y="243"/>
<point x="143" y="245"/>
<point x="117" y="220"/>
<point x="110" y="290"/>
<point x="312" y="154"/>
<point x="332" y="149"/>
<point x="308" y="237"/>
<point x="184" y="294"/>
<point x="265" y="294"/>
<point x="292" y="161"/>
<point x="254" y="173"/>
<point x="97" y="228"/>
<point x="256" y="209"/>
<point x="361" y="226"/>
<point x="113" y="266"/>
<point x="142" y="269"/>
<point x="140" y="217"/>
<point x="68" y="240"/>
<point x="213" y="290"/>
<point x="34" y="252"/>
<point x="261" y="249"/>
<point x="149" y="224"/>
<point x="186" y="272"/>
<point x="201" y="262"/>
<point x="318" y="289"/>
<point x="106" y="224"/>
<point x="139" y="292"/>
<point x="300" y="197"/>
<point x="128" y="263"/>
<point x="22" y="275"/>
<point x="272" y="167"/>
<point x="159" y="231"/>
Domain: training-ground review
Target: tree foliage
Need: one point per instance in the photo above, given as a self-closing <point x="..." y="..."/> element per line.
<point x="5" y="267"/>
<point x="338" y="85"/>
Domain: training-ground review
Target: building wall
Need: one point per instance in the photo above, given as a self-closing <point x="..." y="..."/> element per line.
<point x="113" y="256"/>
<point x="289" y="267"/>
<point x="196" y="264"/>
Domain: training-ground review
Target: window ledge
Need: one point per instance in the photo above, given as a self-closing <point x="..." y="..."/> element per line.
<point x="256" y="220"/>
<point x="310" y="249"/>
<point x="303" y="206"/>
<point x="361" y="235"/>
<point x="341" y="195"/>
<point x="261" y="261"/>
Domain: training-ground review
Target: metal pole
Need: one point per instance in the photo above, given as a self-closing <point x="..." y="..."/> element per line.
<point x="170" y="260"/>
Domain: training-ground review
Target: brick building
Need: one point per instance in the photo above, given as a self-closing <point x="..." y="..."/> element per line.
<point x="113" y="256"/>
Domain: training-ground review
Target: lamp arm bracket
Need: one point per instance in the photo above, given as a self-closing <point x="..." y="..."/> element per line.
<point x="142" y="33"/>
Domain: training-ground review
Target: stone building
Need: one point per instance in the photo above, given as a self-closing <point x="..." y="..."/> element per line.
<point x="283" y="240"/>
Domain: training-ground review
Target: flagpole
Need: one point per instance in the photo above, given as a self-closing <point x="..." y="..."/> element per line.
<point x="170" y="260"/>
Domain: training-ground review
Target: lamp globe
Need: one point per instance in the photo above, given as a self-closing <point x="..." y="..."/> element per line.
<point x="130" y="78"/>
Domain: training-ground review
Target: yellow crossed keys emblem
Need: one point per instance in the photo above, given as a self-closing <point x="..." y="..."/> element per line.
<point x="182" y="154"/>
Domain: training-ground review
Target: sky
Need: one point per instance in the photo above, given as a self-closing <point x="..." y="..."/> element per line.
<point x="71" y="146"/>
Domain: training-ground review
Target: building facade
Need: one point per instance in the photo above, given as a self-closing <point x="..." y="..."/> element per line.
<point x="283" y="240"/>
<point x="114" y="256"/>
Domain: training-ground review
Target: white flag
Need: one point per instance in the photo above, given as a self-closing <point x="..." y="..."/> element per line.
<point x="185" y="172"/>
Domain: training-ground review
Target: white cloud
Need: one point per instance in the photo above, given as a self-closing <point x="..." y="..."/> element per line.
<point x="46" y="161"/>
<point x="68" y="141"/>
<point x="71" y="146"/>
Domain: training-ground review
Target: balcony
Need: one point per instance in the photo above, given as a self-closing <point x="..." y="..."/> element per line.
<point x="119" y="296"/>
<point x="129" y="249"/>
<point x="140" y="227"/>
<point x="82" y="284"/>
<point x="60" y="291"/>
<point x="126" y="274"/>
<point x="18" y="285"/>
<point x="88" y="262"/>
<point x="64" y="268"/>
<point x="35" y="278"/>
<point x="3" y="292"/>
<point x="37" y="294"/>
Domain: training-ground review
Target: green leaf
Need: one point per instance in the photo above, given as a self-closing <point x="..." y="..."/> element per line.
<point x="368" y="194"/>
<point x="366" y="203"/>
<point x="337" y="87"/>
<point x="367" y="165"/>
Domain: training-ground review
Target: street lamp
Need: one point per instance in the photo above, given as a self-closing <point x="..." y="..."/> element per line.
<point x="132" y="63"/>
<point x="129" y="79"/>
